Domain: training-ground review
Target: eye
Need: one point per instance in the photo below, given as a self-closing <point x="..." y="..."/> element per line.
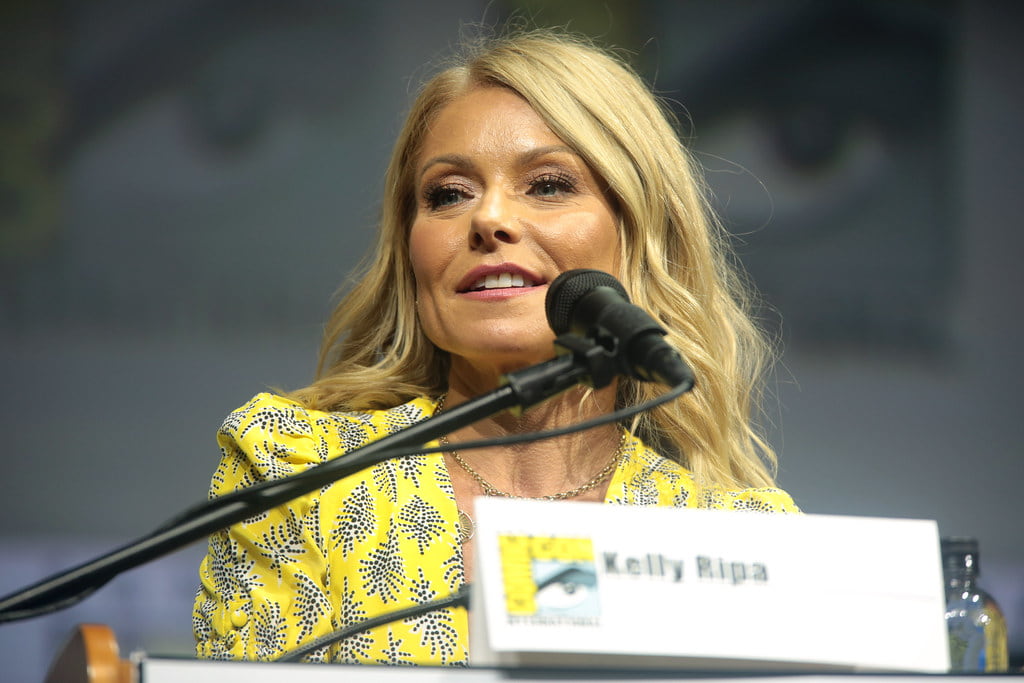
<point x="443" y="196"/>
<point x="562" y="595"/>
<point x="552" y="185"/>
<point x="569" y="587"/>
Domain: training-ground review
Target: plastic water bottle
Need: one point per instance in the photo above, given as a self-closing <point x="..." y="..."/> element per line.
<point x="977" y="628"/>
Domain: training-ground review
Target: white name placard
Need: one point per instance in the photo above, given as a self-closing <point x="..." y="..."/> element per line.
<point x="591" y="584"/>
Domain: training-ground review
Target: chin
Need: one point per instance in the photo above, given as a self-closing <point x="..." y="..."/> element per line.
<point x="502" y="357"/>
<point x="518" y="356"/>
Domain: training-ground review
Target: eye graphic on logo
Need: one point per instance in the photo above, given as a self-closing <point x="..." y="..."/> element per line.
<point x="567" y="588"/>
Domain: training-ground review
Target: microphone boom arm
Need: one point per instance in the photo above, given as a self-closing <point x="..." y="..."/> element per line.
<point x="581" y="361"/>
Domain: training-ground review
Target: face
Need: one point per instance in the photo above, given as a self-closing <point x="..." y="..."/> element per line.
<point x="504" y="206"/>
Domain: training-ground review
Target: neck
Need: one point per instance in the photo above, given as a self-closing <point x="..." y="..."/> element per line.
<point x="541" y="468"/>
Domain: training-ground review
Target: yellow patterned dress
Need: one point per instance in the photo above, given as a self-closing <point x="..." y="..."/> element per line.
<point x="377" y="541"/>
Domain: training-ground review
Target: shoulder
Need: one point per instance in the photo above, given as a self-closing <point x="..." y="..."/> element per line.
<point x="272" y="415"/>
<point x="647" y="478"/>
<point x="765" y="499"/>
<point x="279" y="436"/>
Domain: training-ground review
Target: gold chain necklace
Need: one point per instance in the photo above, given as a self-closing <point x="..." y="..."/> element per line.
<point x="490" y="490"/>
<point x="467" y="527"/>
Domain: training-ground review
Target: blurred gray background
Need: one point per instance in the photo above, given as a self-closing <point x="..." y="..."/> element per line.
<point x="184" y="185"/>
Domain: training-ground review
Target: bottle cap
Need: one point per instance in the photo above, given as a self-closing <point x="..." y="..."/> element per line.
<point x="959" y="553"/>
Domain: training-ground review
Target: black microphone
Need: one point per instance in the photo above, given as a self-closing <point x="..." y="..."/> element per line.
<point x="595" y="304"/>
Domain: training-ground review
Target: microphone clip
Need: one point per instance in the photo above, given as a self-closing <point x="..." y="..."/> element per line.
<point x="599" y="362"/>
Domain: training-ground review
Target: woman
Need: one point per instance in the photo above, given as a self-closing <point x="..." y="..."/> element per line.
<point x="538" y="154"/>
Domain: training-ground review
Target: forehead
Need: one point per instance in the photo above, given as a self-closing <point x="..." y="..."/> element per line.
<point x="486" y="120"/>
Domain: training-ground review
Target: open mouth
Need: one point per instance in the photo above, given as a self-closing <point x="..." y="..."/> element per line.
<point x="501" y="281"/>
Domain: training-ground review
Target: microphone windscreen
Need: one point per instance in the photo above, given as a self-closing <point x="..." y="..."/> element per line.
<point x="571" y="286"/>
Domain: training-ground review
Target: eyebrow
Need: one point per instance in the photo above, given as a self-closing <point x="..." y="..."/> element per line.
<point x="524" y="158"/>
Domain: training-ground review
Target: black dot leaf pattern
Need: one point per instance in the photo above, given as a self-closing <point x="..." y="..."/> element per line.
<point x="421" y="522"/>
<point x="383" y="569"/>
<point x="282" y="543"/>
<point x="356" y="520"/>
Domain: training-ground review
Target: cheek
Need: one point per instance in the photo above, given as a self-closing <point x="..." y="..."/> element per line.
<point x="597" y="240"/>
<point x="610" y="239"/>
<point x="416" y="249"/>
<point x="426" y="254"/>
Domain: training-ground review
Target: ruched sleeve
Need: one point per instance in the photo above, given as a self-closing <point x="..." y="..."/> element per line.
<point x="382" y="539"/>
<point x="263" y="580"/>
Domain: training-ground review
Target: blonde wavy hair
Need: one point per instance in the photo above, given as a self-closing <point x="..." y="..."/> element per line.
<point x="676" y="262"/>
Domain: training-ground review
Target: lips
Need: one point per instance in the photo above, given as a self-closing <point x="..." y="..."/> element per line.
<point x="501" y="281"/>
<point x="504" y="276"/>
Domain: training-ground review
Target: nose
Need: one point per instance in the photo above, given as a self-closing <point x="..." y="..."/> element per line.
<point x="494" y="221"/>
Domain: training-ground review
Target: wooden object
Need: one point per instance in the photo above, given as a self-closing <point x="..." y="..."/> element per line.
<point x="91" y="655"/>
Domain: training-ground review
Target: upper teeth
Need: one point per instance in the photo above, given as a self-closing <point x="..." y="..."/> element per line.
<point x="501" y="280"/>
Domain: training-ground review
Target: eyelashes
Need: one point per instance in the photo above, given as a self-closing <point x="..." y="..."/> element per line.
<point x="549" y="184"/>
<point x="443" y="194"/>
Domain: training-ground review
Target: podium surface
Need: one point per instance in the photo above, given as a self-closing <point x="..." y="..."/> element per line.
<point x="157" y="670"/>
<point x="91" y="655"/>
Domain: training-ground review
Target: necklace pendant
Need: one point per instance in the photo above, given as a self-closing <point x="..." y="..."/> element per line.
<point x="467" y="527"/>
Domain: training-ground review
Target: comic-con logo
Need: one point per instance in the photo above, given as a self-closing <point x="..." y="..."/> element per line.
<point x="549" y="577"/>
